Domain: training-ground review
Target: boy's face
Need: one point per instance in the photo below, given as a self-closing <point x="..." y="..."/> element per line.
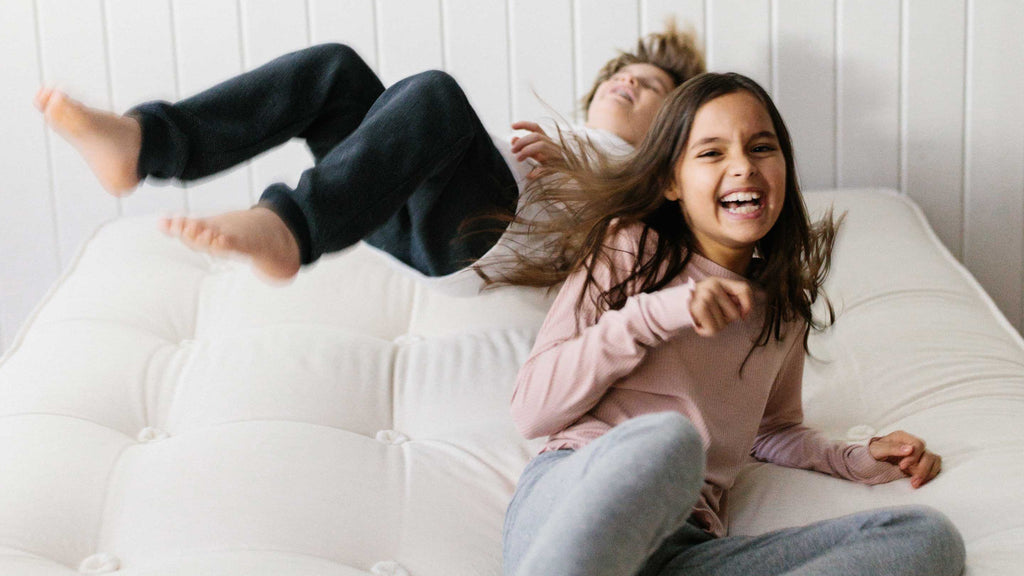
<point x="626" y="103"/>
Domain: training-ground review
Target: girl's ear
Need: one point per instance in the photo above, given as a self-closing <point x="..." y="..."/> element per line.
<point x="672" y="193"/>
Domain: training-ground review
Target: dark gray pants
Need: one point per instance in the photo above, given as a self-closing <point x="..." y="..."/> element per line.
<point x="410" y="169"/>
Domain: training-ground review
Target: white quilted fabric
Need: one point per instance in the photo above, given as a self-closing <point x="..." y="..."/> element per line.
<point x="167" y="414"/>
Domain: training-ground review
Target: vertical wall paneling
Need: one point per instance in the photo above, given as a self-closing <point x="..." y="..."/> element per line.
<point x="933" y="113"/>
<point x="689" y="14"/>
<point x="208" y="42"/>
<point x="739" y="38"/>
<point x="920" y="95"/>
<point x="28" y="237"/>
<point x="869" y="82"/>
<point x="349" y="22"/>
<point x="410" y="38"/>
<point x="603" y="28"/>
<point x="142" y="67"/>
<point x="804" y="85"/>
<point x="270" y="29"/>
<point x="476" y="54"/>
<point x="542" y="59"/>
<point x="994" y="214"/>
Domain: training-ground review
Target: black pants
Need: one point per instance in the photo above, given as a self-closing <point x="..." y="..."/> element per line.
<point x="410" y="169"/>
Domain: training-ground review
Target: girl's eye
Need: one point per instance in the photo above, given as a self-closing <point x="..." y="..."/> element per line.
<point x="709" y="154"/>
<point x="765" y="148"/>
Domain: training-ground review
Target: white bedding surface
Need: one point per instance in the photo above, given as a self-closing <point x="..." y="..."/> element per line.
<point x="165" y="413"/>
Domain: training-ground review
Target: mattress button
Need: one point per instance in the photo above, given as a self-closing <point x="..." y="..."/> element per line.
<point x="392" y="437"/>
<point x="101" y="563"/>
<point x="149" y="434"/>
<point x="860" y="433"/>
<point x="388" y="568"/>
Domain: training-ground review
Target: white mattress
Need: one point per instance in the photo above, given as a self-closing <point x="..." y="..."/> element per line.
<point x="163" y="413"/>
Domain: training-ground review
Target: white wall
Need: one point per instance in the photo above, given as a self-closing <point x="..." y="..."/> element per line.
<point x="919" y="95"/>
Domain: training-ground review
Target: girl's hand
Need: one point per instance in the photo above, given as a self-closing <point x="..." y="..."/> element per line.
<point x="718" y="302"/>
<point x="537" y="146"/>
<point x="908" y="452"/>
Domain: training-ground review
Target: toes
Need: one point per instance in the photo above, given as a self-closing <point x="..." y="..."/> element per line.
<point x="41" y="99"/>
<point x="55" y="101"/>
<point x="190" y="229"/>
<point x="204" y="237"/>
<point x="173" y="225"/>
<point x="164" y="224"/>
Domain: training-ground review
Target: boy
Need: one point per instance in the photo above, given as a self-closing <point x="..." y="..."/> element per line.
<point x="410" y="169"/>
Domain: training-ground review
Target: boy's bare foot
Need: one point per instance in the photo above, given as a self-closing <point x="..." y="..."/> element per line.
<point x="109" y="143"/>
<point x="258" y="233"/>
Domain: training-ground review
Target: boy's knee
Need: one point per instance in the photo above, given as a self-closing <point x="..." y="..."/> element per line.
<point x="332" y="52"/>
<point x="437" y="81"/>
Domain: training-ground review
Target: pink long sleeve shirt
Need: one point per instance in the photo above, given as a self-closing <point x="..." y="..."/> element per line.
<point x="588" y="374"/>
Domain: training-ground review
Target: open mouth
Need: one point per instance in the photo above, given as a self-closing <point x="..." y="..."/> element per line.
<point x="625" y="93"/>
<point x="741" y="202"/>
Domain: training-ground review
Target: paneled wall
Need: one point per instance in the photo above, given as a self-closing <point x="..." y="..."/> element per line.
<point x="917" y="95"/>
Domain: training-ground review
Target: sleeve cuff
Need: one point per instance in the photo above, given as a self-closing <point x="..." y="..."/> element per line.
<point x="867" y="470"/>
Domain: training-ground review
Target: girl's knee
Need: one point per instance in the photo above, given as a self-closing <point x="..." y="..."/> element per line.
<point x="938" y="542"/>
<point x="673" y="427"/>
<point x="671" y="438"/>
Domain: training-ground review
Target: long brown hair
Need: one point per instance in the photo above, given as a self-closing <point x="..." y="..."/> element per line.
<point x="585" y="197"/>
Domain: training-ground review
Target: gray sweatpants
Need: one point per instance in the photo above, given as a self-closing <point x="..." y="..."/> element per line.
<point x="619" y="507"/>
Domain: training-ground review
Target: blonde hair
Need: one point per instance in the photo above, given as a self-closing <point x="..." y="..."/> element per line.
<point x="672" y="50"/>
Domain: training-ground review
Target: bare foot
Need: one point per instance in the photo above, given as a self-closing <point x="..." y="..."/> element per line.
<point x="109" y="143"/>
<point x="258" y="233"/>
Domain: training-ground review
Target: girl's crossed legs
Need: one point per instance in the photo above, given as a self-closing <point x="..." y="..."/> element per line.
<point x="904" y="541"/>
<point x="619" y="507"/>
<point x="604" y="509"/>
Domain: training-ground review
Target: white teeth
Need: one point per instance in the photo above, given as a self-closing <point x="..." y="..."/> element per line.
<point x="744" y="209"/>
<point x="741" y="197"/>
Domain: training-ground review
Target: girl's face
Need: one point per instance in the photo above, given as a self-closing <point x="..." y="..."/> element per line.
<point x="731" y="178"/>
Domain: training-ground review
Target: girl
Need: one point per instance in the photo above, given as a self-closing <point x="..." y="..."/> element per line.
<point x="675" y="349"/>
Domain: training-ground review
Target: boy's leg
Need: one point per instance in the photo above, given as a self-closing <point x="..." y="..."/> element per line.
<point x="320" y="94"/>
<point x="419" y="165"/>
<point x="904" y="541"/>
<point x="417" y="168"/>
<point x="604" y="509"/>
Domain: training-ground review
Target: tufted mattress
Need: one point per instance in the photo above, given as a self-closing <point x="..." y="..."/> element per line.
<point x="163" y="413"/>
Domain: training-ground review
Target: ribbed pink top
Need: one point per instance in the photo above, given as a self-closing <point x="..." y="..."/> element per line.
<point x="646" y="358"/>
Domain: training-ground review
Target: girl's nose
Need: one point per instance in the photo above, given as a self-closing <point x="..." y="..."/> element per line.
<point x="743" y="167"/>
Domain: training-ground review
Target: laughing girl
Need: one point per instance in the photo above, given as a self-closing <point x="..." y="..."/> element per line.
<point x="674" y="351"/>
